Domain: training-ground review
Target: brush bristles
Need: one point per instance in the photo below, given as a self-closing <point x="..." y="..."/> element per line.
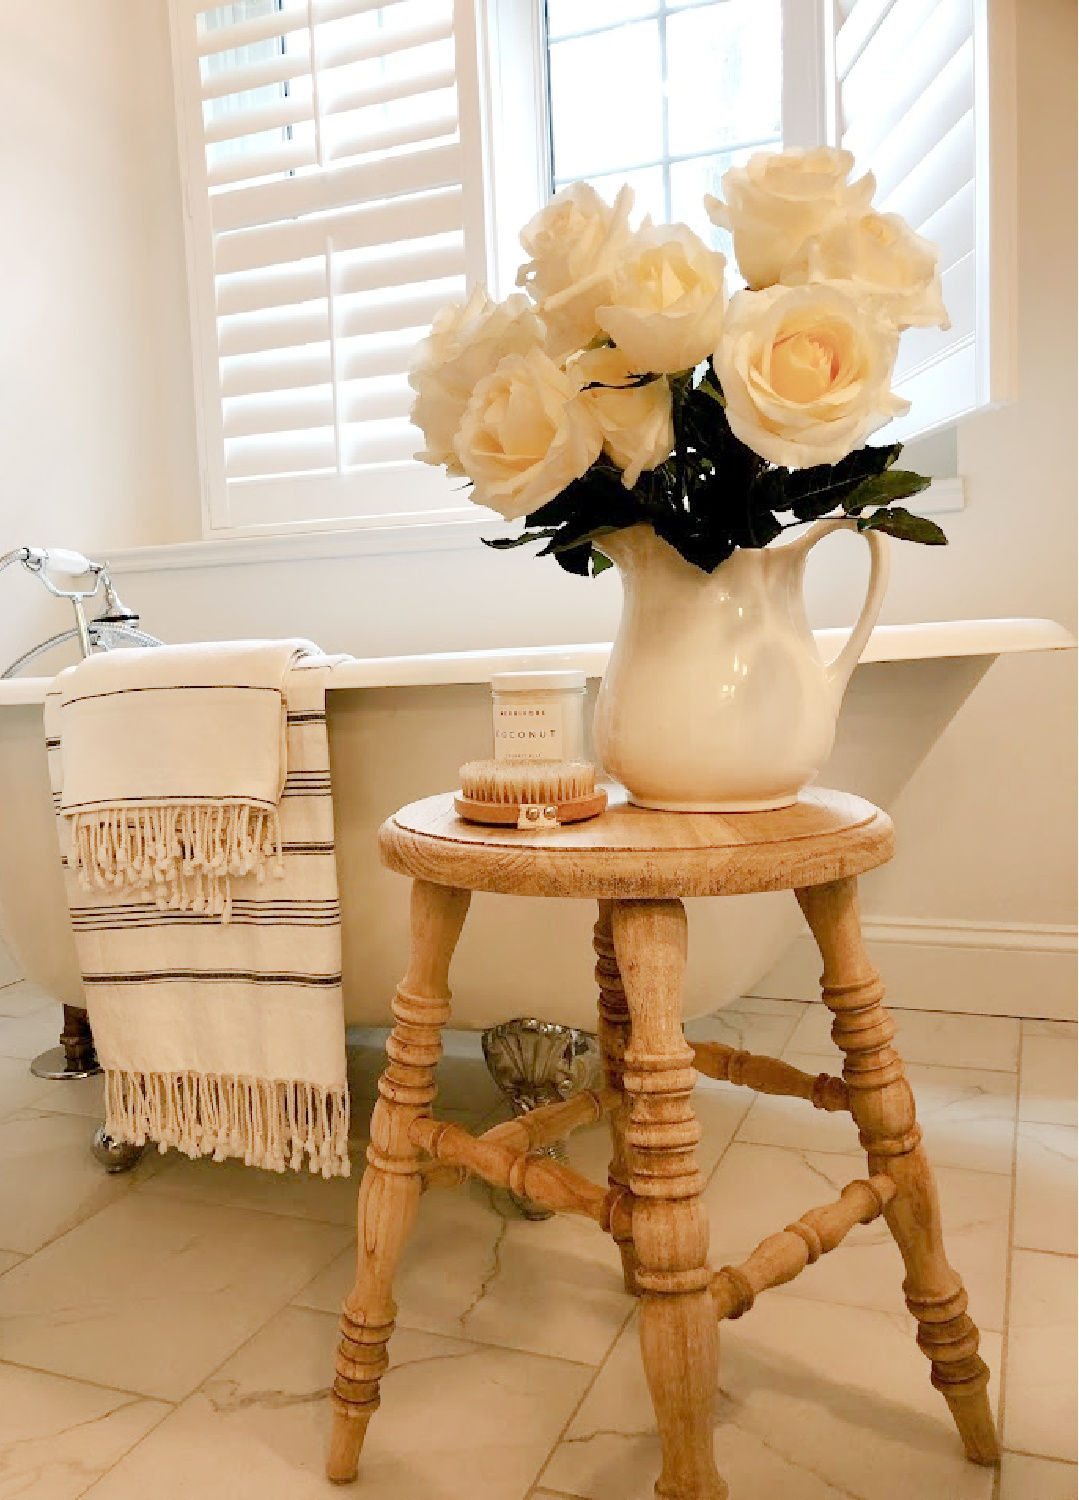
<point x="509" y="783"/>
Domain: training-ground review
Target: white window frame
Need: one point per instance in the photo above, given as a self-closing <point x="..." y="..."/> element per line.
<point x="502" y="106"/>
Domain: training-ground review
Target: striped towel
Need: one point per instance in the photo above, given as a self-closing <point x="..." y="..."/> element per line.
<point x="192" y="790"/>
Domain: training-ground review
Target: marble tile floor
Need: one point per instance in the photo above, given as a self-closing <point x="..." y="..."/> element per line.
<point x="169" y="1333"/>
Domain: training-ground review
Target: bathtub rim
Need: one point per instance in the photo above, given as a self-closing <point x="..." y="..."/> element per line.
<point x="917" y="642"/>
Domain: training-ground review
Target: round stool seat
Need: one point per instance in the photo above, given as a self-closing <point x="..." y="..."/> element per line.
<point x="632" y="853"/>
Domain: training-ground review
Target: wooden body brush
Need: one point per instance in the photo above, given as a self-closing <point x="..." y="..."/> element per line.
<point x="528" y="793"/>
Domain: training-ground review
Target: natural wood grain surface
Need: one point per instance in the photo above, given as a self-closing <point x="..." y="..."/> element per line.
<point x="883" y="1108"/>
<point x="634" y="853"/>
<point x="390" y="1190"/>
<point x="639" y="864"/>
<point x="679" y="1337"/>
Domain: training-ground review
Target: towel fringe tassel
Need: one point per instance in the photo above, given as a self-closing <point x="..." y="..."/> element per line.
<point x="181" y="857"/>
<point x="264" y="1122"/>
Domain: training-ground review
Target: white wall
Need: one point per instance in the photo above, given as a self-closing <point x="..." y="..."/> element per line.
<point x="96" y="416"/>
<point x="98" y="434"/>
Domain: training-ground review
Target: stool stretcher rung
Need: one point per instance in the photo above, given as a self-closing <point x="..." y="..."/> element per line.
<point x="537" y="1178"/>
<point x="767" y="1075"/>
<point x="553" y="1122"/>
<point x="782" y="1256"/>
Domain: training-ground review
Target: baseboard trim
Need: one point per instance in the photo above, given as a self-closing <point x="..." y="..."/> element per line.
<point x="977" y="968"/>
<point x="1030" y="937"/>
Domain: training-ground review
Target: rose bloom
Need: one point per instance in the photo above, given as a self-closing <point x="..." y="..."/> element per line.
<point x="465" y="343"/>
<point x="806" y="373"/>
<point x="888" y="266"/>
<point x="636" y="423"/>
<point x="668" y="300"/>
<point x="524" y="437"/>
<point x="778" y="199"/>
<point x="574" y="244"/>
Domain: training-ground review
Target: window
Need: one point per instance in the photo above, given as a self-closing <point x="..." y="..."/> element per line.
<point x="350" y="165"/>
<point x="689" y="88"/>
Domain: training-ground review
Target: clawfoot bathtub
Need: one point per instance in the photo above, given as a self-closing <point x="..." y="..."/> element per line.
<point x="400" y="727"/>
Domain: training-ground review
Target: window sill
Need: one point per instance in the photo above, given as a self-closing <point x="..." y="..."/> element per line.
<point x="451" y="533"/>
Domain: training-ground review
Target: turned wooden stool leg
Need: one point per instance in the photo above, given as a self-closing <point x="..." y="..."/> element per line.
<point x="883" y="1108"/>
<point x="613" y="1040"/>
<point x="679" y="1336"/>
<point x="390" y="1190"/>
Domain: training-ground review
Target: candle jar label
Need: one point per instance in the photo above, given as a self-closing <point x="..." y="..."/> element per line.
<point x="528" y="731"/>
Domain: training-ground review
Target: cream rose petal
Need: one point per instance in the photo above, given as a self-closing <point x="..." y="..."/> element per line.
<point x="888" y="266"/>
<point x="636" y="420"/>
<point x="779" y="199"/>
<point x="806" y="373"/>
<point x="524" y="437"/>
<point x="668" y="300"/>
<point x="574" y="244"/>
<point x="466" y="342"/>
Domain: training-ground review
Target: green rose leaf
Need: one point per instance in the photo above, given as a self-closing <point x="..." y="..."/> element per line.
<point x="896" y="521"/>
<point x="894" y="484"/>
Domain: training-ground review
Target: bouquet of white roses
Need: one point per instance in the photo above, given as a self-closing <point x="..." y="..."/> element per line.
<point x="626" y="387"/>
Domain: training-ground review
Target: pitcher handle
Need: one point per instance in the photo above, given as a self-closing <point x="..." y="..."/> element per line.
<point x="839" y="670"/>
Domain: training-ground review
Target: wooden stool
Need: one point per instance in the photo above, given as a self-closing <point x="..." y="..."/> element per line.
<point x="638" y="865"/>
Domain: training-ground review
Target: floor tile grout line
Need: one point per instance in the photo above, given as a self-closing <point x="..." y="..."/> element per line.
<point x="165" y="1415"/>
<point x="537" y="1482"/>
<point x="97" y="1385"/>
<point x="1002" y="1403"/>
<point x="1045" y="1458"/>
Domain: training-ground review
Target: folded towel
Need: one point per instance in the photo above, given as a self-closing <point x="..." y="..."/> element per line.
<point x="173" y="765"/>
<point x="218" y="1039"/>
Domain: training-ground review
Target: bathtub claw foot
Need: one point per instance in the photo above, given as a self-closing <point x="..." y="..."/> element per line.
<point x="537" y="1062"/>
<point x="114" y="1155"/>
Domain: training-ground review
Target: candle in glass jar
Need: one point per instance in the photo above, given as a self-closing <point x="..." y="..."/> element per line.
<point x="539" y="715"/>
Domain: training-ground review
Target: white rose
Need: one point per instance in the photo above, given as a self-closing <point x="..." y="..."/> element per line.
<point x="887" y="265"/>
<point x="524" y="437"/>
<point x="668" y="300"/>
<point x="778" y="199"/>
<point x="574" y="244"/>
<point x="636" y="421"/>
<point x="465" y="343"/>
<point x="806" y="373"/>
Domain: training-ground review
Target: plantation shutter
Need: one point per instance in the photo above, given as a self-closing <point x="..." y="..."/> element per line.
<point x="924" y="98"/>
<point x="334" y="204"/>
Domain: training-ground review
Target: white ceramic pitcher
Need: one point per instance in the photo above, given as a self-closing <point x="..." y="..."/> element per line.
<point x="715" y="698"/>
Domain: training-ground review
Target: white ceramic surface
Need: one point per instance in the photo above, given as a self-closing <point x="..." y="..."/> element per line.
<point x="399" y="729"/>
<point x="716" y="698"/>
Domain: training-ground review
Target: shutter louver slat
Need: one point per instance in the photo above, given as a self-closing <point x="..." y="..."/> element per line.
<point x="349" y="228"/>
<point x="861" y="21"/>
<point x="389" y="316"/>
<point x="262" y="164"/>
<point x="279" y="411"/>
<point x="405" y="87"/>
<point x="232" y="124"/>
<point x="951" y="228"/>
<point x="913" y="77"/>
<point x="245" y="333"/>
<point x="876" y="75"/>
<point x="280" y="23"/>
<point x="344" y="54"/>
<point x="275" y="371"/>
<point x="431" y="129"/>
<point x="281" y="453"/>
<point x="319" y="193"/>
<point x="940" y="174"/>
<point x="944" y="104"/>
<point x="282" y="69"/>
